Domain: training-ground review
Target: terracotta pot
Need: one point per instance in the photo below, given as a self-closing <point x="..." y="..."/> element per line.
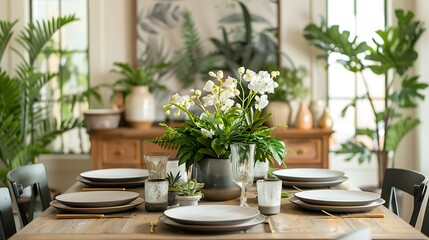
<point x="140" y="107"/>
<point x="280" y="114"/>
<point x="216" y="174"/>
<point x="304" y="119"/>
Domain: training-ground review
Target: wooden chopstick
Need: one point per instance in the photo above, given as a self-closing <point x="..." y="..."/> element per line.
<point x="103" y="189"/>
<point x="89" y="215"/>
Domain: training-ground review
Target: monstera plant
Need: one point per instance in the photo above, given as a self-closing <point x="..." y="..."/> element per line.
<point x="392" y="55"/>
<point x="27" y="125"/>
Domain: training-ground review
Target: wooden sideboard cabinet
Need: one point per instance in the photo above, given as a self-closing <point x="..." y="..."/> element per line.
<point x="124" y="147"/>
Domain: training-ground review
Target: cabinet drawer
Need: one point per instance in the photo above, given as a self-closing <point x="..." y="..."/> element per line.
<point x="154" y="148"/>
<point x="307" y="151"/>
<point x="123" y="151"/>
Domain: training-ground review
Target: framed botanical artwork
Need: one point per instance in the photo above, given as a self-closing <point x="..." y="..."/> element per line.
<point x="196" y="36"/>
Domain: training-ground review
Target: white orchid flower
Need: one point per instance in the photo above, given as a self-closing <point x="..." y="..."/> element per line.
<point x="210" y="86"/>
<point x="227" y="105"/>
<point x="210" y="100"/>
<point x="206" y="133"/>
<point x="249" y="75"/>
<point x="226" y="94"/>
<point x="230" y="83"/>
<point x="212" y="74"/>
<point x="261" y="102"/>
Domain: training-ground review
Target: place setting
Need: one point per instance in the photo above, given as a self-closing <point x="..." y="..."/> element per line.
<point x="212" y="218"/>
<point x="310" y="177"/>
<point x="114" y="178"/>
<point x="345" y="201"/>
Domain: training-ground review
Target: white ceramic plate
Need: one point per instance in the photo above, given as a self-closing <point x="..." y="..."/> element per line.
<point x="116" y="175"/>
<point x="100" y="210"/>
<point x="337" y="197"/>
<point x="213" y="228"/>
<point x="363" y="208"/>
<point x="314" y="184"/>
<point x="139" y="183"/>
<point x="308" y="174"/>
<point x="211" y="214"/>
<point x="97" y="198"/>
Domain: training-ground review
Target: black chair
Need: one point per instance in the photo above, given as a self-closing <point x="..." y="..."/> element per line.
<point x="409" y="181"/>
<point x="7" y="223"/>
<point x="32" y="176"/>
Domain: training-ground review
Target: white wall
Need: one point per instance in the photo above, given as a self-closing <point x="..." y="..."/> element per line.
<point x="112" y="38"/>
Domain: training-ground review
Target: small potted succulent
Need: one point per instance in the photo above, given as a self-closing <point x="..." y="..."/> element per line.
<point x="172" y="190"/>
<point x="189" y="193"/>
<point x="269" y="194"/>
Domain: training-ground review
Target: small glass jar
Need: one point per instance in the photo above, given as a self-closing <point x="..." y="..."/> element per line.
<point x="269" y="196"/>
<point x="261" y="169"/>
<point x="156" y="195"/>
<point x="156" y="164"/>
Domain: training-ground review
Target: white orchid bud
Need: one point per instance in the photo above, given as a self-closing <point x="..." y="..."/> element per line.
<point x="197" y="93"/>
<point x="212" y="74"/>
<point x="219" y="74"/>
<point x="177" y="113"/>
<point x="241" y="70"/>
<point x="167" y="112"/>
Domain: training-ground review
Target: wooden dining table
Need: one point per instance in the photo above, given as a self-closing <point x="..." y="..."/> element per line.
<point x="291" y="223"/>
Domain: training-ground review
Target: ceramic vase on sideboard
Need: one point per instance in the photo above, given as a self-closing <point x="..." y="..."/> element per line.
<point x="304" y="118"/>
<point x="140" y="107"/>
<point x="280" y="113"/>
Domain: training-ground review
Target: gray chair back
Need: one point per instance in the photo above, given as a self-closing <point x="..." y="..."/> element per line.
<point x="409" y="181"/>
<point x="32" y="176"/>
<point x="7" y="222"/>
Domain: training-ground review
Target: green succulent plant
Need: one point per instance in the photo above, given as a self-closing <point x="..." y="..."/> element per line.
<point x="172" y="180"/>
<point x="189" y="188"/>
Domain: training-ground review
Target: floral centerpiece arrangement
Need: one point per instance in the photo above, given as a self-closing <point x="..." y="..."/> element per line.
<point x="232" y="112"/>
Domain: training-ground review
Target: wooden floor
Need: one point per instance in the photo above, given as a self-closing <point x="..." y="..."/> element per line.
<point x="291" y="223"/>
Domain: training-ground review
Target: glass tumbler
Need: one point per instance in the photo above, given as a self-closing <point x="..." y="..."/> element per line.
<point x="156" y="195"/>
<point x="156" y="164"/>
<point x="269" y="196"/>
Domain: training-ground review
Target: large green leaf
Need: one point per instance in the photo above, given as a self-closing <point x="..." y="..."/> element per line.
<point x="355" y="150"/>
<point x="5" y="35"/>
<point x="410" y="92"/>
<point x="398" y="130"/>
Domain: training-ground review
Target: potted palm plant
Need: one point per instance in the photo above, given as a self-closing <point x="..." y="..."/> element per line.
<point x="27" y="125"/>
<point x="188" y="193"/>
<point x="139" y="84"/>
<point x="172" y="190"/>
<point x="393" y="55"/>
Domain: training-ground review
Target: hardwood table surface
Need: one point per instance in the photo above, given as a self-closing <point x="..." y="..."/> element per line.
<point x="291" y="223"/>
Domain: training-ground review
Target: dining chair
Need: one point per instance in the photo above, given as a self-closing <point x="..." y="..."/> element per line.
<point x="360" y="234"/>
<point x="34" y="177"/>
<point x="409" y="181"/>
<point x="7" y="222"/>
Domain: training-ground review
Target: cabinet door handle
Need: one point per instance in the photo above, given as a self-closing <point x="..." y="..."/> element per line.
<point x="120" y="152"/>
<point x="299" y="151"/>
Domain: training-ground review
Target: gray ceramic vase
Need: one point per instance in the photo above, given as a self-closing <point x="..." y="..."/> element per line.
<point x="216" y="174"/>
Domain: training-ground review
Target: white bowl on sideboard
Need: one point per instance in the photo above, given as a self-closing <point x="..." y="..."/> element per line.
<point x="102" y="118"/>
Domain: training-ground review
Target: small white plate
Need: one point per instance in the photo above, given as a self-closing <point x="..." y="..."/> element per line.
<point x="211" y="214"/>
<point x="308" y="174"/>
<point x="213" y="228"/>
<point x="97" y="198"/>
<point x="363" y="208"/>
<point x="337" y="197"/>
<point x="314" y="184"/>
<point x="116" y="175"/>
<point x="139" y="183"/>
<point x="100" y="210"/>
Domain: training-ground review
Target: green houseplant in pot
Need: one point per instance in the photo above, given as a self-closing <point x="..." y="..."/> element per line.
<point x="291" y="87"/>
<point x="392" y="55"/>
<point x="139" y="83"/>
<point x="172" y="190"/>
<point x="230" y="115"/>
<point x="189" y="193"/>
<point x="27" y="125"/>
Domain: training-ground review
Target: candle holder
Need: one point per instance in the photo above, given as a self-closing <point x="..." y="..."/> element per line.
<point x="156" y="195"/>
<point x="156" y="164"/>
<point x="269" y="196"/>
